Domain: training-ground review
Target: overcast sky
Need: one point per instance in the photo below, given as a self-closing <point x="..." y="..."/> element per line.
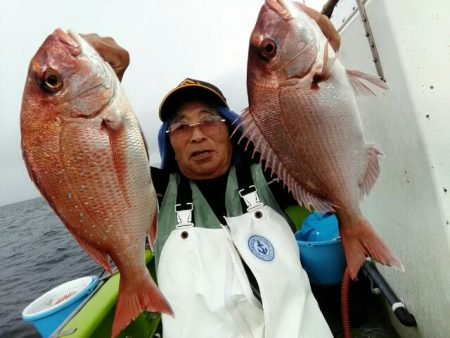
<point x="167" y="41"/>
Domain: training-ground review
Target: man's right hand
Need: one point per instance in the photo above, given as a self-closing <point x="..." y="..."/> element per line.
<point x="110" y="51"/>
<point x="325" y="25"/>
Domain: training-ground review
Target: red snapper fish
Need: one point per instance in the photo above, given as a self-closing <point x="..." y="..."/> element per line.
<point x="303" y="120"/>
<point x="84" y="150"/>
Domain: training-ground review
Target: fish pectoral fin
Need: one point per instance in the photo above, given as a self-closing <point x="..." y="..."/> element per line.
<point x="100" y="257"/>
<point x="372" y="170"/>
<point x="112" y="120"/>
<point x="114" y="127"/>
<point x="329" y="56"/>
<point x="357" y="79"/>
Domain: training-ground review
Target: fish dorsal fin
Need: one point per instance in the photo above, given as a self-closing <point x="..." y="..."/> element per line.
<point x="357" y="79"/>
<point x="372" y="170"/>
<point x="270" y="160"/>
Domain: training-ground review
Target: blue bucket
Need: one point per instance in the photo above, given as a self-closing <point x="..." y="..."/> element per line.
<point x="49" y="310"/>
<point x="321" y="251"/>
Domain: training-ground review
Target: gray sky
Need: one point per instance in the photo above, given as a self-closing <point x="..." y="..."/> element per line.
<point x="167" y="41"/>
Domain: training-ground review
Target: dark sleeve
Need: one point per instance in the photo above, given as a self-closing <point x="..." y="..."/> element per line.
<point x="160" y="180"/>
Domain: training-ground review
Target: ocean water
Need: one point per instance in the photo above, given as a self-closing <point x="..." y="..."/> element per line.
<point x="37" y="253"/>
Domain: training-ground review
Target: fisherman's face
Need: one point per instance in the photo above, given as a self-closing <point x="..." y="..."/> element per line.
<point x="202" y="151"/>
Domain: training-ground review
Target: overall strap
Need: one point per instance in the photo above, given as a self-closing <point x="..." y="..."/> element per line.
<point x="247" y="190"/>
<point x="184" y="207"/>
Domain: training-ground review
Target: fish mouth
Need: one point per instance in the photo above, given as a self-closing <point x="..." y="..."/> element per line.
<point x="76" y="38"/>
<point x="70" y="40"/>
<point x="284" y="8"/>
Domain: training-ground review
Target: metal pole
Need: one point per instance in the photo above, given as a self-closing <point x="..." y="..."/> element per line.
<point x="373" y="47"/>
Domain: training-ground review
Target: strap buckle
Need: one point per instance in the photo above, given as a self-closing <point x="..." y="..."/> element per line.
<point x="184" y="214"/>
<point x="250" y="197"/>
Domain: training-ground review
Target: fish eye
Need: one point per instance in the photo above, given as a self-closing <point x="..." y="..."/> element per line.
<point x="268" y="48"/>
<point x="51" y="81"/>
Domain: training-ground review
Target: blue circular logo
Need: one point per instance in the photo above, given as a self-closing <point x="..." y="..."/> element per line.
<point x="261" y="247"/>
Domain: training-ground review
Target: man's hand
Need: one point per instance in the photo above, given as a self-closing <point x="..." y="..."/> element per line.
<point x="110" y="51"/>
<point x="325" y="25"/>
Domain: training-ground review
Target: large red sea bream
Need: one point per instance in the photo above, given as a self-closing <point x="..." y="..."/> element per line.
<point x="304" y="121"/>
<point x="84" y="150"/>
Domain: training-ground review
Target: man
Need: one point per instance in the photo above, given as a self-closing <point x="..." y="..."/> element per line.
<point x="227" y="260"/>
<point x="226" y="257"/>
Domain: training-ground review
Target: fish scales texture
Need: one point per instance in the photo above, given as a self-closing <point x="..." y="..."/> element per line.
<point x="333" y="146"/>
<point x="303" y="119"/>
<point x="84" y="150"/>
<point x="96" y="189"/>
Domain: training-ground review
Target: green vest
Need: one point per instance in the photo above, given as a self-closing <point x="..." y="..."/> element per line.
<point x="203" y="215"/>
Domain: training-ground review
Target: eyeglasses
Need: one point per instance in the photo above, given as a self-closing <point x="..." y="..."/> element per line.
<point x="207" y="125"/>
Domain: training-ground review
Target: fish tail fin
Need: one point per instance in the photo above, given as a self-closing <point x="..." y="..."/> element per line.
<point x="136" y="295"/>
<point x="360" y="241"/>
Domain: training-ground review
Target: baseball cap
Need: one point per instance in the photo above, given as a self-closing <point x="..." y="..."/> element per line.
<point x="187" y="89"/>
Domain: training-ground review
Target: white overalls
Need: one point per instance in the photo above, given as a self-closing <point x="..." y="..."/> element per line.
<point x="201" y="274"/>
